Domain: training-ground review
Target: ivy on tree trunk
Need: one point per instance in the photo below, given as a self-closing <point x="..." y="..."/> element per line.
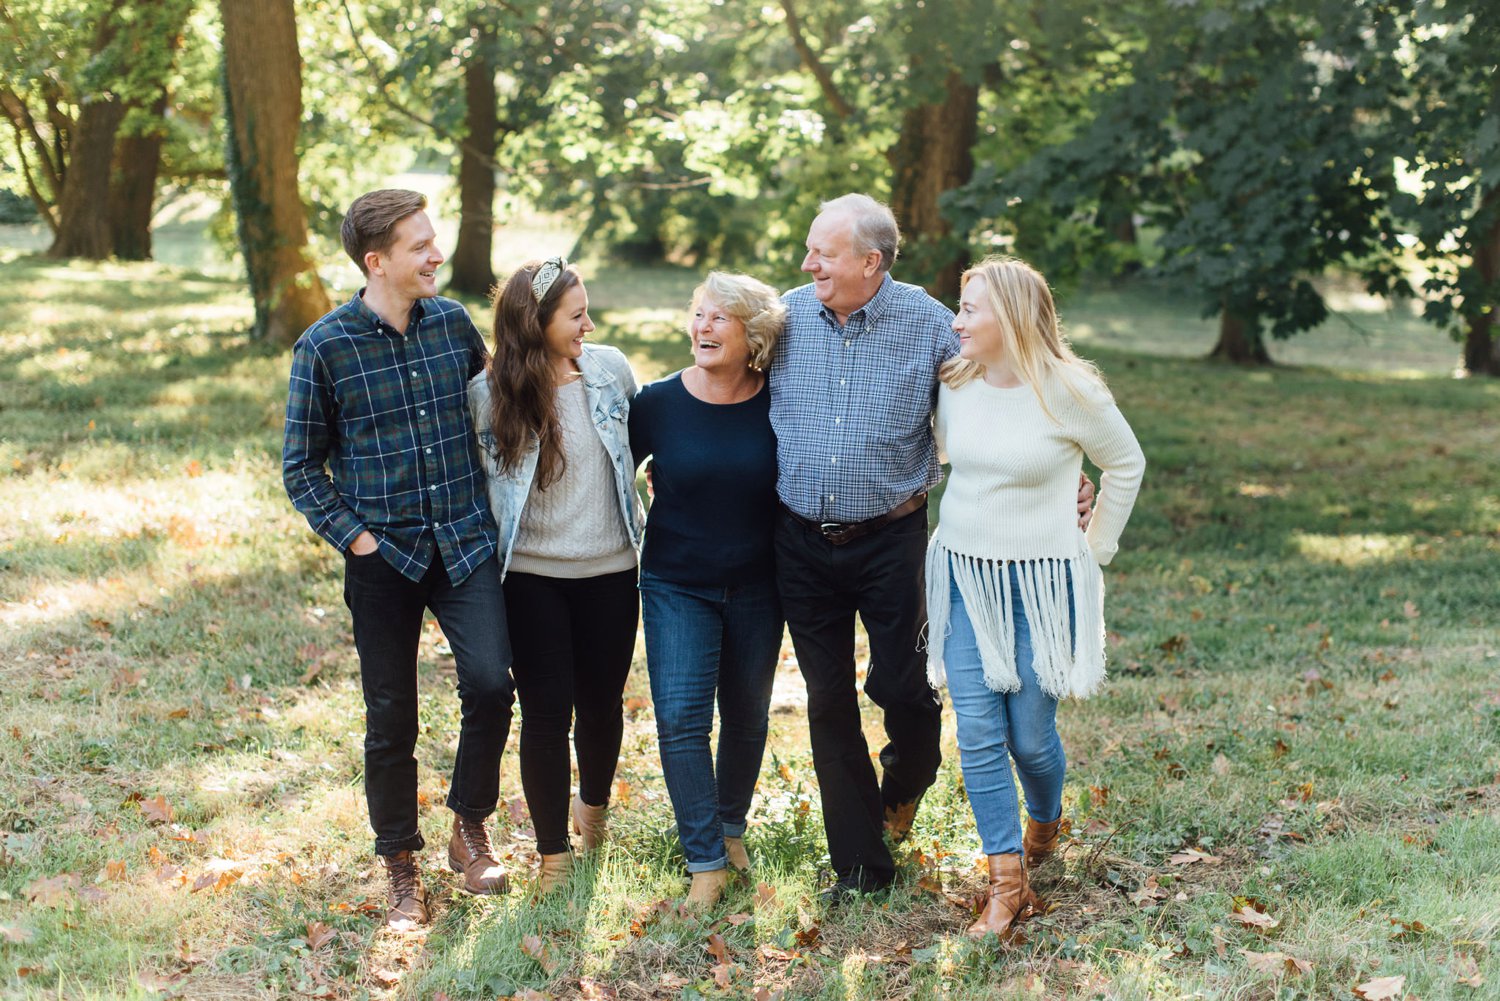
<point x="263" y="106"/>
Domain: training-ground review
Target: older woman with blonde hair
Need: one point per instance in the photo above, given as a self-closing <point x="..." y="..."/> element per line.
<point x="712" y="618"/>
<point x="1015" y="593"/>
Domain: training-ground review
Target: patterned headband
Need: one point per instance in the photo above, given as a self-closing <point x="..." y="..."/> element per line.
<point x="546" y="275"/>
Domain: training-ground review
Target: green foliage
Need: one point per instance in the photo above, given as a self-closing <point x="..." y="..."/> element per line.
<point x="1256" y="138"/>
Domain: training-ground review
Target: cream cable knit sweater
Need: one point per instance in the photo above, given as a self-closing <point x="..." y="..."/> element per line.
<point x="572" y="528"/>
<point x="1011" y="498"/>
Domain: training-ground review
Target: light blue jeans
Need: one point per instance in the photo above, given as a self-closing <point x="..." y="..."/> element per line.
<point x="996" y="728"/>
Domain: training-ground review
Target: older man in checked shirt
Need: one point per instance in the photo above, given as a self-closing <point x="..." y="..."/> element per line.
<point x="853" y="386"/>
<point x="379" y="456"/>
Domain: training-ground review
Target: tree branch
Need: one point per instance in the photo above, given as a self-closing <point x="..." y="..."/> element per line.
<point x="15" y="109"/>
<point x="401" y="109"/>
<point x="814" y="66"/>
<point x="43" y="209"/>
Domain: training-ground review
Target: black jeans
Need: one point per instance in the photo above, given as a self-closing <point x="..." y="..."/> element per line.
<point x="387" y="610"/>
<point x="823" y="586"/>
<point x="574" y="640"/>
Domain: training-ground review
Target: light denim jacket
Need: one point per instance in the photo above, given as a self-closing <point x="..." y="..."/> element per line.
<point x="608" y="385"/>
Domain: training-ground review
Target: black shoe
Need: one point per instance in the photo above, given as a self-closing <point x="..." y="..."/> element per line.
<point x="848" y="890"/>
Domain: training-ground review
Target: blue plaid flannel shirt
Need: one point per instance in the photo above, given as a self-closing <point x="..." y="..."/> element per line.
<point x="852" y="405"/>
<point x="378" y="435"/>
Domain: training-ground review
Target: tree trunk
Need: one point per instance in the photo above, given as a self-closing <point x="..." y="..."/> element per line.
<point x="133" y="192"/>
<point x="1481" y="338"/>
<point x="1239" y="341"/>
<point x="263" y="106"/>
<point x="934" y="154"/>
<point x="82" y="219"/>
<point x="473" y="270"/>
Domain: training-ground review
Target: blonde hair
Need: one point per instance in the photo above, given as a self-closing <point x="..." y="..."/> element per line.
<point x="753" y="303"/>
<point x="1031" y="337"/>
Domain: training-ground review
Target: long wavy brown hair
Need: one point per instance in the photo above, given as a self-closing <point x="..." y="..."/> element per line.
<point x="523" y="386"/>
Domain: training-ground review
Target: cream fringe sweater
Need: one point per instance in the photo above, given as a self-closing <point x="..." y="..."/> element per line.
<point x="1012" y="499"/>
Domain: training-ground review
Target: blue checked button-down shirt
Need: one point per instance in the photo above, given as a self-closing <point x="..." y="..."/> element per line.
<point x="378" y="435"/>
<point x="852" y="405"/>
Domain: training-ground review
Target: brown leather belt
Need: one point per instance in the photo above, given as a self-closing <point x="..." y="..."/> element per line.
<point x="839" y="533"/>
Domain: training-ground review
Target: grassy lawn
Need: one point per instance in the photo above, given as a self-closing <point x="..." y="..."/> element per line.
<point x="1290" y="788"/>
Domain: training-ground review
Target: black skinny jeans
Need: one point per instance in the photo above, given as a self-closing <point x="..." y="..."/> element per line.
<point x="574" y="640"/>
<point x="387" y="609"/>
<point x="823" y="586"/>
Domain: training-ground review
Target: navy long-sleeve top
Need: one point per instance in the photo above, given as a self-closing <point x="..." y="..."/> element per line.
<point x="713" y="475"/>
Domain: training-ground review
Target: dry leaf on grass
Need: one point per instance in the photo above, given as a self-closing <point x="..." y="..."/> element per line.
<point x="1252" y="914"/>
<point x="55" y="891"/>
<point x="319" y="935"/>
<point x="156" y="810"/>
<point x="738" y="919"/>
<point x="723" y="973"/>
<point x="17" y="935"/>
<point x="592" y="990"/>
<point x="765" y="895"/>
<point x="1190" y="855"/>
<point x="1381" y="989"/>
<point x="1276" y="964"/>
<point x="718" y="948"/>
<point x="1466" y="971"/>
<point x="533" y="946"/>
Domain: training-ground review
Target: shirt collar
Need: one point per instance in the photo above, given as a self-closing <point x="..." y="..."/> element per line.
<point x="418" y="310"/>
<point x="872" y="310"/>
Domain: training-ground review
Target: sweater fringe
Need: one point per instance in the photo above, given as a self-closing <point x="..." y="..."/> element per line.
<point x="1067" y="638"/>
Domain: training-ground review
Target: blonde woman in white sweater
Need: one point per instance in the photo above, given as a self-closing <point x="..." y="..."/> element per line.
<point x="1015" y="594"/>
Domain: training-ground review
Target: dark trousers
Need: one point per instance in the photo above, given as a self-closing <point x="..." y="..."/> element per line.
<point x="574" y="641"/>
<point x="387" y="609"/>
<point x="823" y="586"/>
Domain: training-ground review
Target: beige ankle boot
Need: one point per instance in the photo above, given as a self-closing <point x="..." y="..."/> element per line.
<point x="554" y="872"/>
<point x="706" y="890"/>
<point x="1040" y="840"/>
<point x="590" y="823"/>
<point x="738" y="857"/>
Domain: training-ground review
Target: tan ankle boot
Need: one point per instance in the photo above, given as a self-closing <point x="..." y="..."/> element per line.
<point x="470" y="855"/>
<point x="407" y="896"/>
<point x="553" y="873"/>
<point x="738" y="857"/>
<point x="706" y="890"/>
<point x="1010" y="898"/>
<point x="1040" y="840"/>
<point x="590" y="822"/>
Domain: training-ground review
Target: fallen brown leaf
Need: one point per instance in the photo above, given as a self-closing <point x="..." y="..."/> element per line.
<point x="319" y="935"/>
<point x="156" y="810"/>
<point x="722" y="972"/>
<point x="55" y="891"/>
<point x="1466" y="971"/>
<point x="592" y="990"/>
<point x="533" y="946"/>
<point x="1252" y="914"/>
<point x="765" y="895"/>
<point x="738" y="919"/>
<point x="1190" y="855"/>
<point x="17" y="935"/>
<point x="718" y="948"/>
<point x="1276" y="964"/>
<point x="1381" y="988"/>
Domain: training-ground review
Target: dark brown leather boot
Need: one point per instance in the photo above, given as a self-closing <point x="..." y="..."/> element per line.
<point x="407" y="896"/>
<point x="1010" y="898"/>
<point x="1040" y="840"/>
<point x="470" y="855"/>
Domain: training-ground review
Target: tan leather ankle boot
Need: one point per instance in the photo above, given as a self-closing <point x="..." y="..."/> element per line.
<point x="706" y="890"/>
<point x="470" y="855"/>
<point x="1040" y="840"/>
<point x="590" y="823"/>
<point x="1010" y="898"/>
<point x="553" y="873"/>
<point x="738" y="857"/>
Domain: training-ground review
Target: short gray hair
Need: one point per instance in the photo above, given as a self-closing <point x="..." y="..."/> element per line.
<point x="874" y="225"/>
<point x="752" y="302"/>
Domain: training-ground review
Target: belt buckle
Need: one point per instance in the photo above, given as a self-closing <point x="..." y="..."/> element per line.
<point x="831" y="527"/>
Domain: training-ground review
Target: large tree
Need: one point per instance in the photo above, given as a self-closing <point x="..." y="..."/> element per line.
<point x="263" y="107"/>
<point x="1455" y="131"/>
<point x="1256" y="137"/>
<point x="84" y="88"/>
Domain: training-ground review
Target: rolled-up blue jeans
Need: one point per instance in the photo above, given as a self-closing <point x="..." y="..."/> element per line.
<point x="996" y="728"/>
<point x="703" y="642"/>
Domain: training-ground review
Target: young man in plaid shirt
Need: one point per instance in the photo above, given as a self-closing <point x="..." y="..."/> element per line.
<point x="379" y="456"/>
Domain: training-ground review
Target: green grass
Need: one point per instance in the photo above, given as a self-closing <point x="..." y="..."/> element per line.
<point x="1304" y="685"/>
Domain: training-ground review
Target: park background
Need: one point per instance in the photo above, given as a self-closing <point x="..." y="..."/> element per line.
<point x="1288" y="790"/>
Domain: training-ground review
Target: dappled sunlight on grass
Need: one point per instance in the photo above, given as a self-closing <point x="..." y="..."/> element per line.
<point x="1352" y="550"/>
